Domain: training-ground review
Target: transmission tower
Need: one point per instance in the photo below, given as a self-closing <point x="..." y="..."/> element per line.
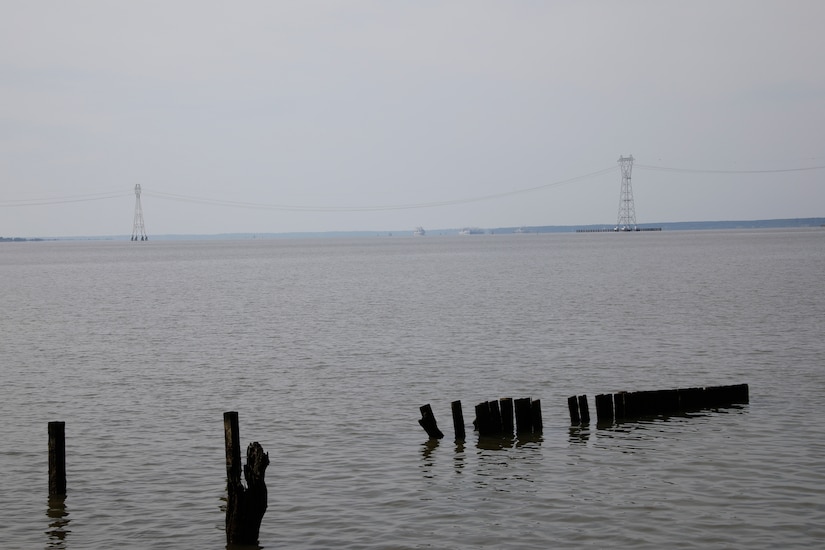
<point x="627" y="212"/>
<point x="138" y="230"/>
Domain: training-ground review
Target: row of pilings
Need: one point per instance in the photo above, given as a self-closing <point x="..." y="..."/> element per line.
<point x="504" y="417"/>
<point x="632" y="405"/>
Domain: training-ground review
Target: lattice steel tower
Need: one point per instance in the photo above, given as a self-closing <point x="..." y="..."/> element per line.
<point x="138" y="230"/>
<point x="627" y="211"/>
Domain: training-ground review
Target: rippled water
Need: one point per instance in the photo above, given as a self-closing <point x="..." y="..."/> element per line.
<point x="327" y="348"/>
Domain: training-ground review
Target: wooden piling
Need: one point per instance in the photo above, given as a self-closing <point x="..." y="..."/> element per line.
<point x="57" y="458"/>
<point x="245" y="506"/>
<point x="428" y="422"/>
<point x="573" y="406"/>
<point x="619" y="406"/>
<point x="630" y="409"/>
<point x="507" y="419"/>
<point x="604" y="407"/>
<point x="535" y="413"/>
<point x="484" y="424"/>
<point x="584" y="410"/>
<point x="691" y="399"/>
<point x="740" y="393"/>
<point x="233" y="447"/>
<point x="458" y="420"/>
<point x="524" y="415"/>
<point x="724" y="396"/>
<point x="495" y="417"/>
<point x="643" y="403"/>
<point x="669" y="402"/>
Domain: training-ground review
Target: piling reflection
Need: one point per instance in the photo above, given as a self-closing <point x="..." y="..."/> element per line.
<point x="428" y="447"/>
<point x="579" y="435"/>
<point x="427" y="457"/>
<point x="459" y="456"/>
<point x="498" y="443"/>
<point x="495" y="443"/>
<point x="529" y="439"/>
<point x="59" y="522"/>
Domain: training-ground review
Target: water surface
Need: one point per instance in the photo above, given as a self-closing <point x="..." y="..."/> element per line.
<point x="327" y="348"/>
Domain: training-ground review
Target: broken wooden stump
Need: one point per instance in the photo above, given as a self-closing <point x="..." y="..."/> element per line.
<point x="245" y="506"/>
<point x="428" y="422"/>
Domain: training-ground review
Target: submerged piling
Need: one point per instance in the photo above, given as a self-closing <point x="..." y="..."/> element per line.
<point x="508" y="425"/>
<point x="604" y="407"/>
<point x="57" y="458"/>
<point x="573" y="406"/>
<point x="484" y="419"/>
<point x="584" y="410"/>
<point x="524" y="416"/>
<point x="458" y="421"/>
<point x="535" y="414"/>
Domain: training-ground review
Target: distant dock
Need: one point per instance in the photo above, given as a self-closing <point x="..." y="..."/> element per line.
<point x="605" y="230"/>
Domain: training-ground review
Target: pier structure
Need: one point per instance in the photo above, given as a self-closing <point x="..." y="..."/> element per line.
<point x="627" y="211"/>
<point x="138" y="228"/>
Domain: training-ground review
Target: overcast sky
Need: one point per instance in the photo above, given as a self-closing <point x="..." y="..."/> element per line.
<point x="280" y="116"/>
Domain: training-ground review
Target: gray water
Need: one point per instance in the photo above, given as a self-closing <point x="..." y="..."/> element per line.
<point x="327" y="349"/>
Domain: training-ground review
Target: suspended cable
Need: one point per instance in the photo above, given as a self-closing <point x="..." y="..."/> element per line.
<point x="366" y="208"/>
<point x="305" y="208"/>
<point x="64" y="200"/>
<point x="701" y="171"/>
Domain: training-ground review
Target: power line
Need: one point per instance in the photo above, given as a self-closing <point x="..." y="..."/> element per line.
<point x="8" y="203"/>
<point x="374" y="208"/>
<point x="704" y="171"/>
<point x="63" y="200"/>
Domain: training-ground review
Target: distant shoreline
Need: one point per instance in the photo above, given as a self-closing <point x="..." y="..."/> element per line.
<point x="787" y="223"/>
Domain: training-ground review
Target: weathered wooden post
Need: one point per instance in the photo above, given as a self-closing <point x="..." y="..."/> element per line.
<point x="57" y="458"/>
<point x="483" y="423"/>
<point x="669" y="401"/>
<point x="535" y="414"/>
<point x="618" y="405"/>
<point x="642" y="400"/>
<point x="741" y="393"/>
<point x="508" y="425"/>
<point x="573" y="405"/>
<point x="428" y="422"/>
<point x="604" y="407"/>
<point x="233" y="446"/>
<point x="245" y="506"/>
<point x="524" y="416"/>
<point x="458" y="420"/>
<point x="584" y="410"/>
<point x="495" y="417"/>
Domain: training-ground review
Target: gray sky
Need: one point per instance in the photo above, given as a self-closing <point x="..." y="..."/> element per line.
<point x="383" y="115"/>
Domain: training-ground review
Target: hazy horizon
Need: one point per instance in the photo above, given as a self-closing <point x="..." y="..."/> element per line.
<point x="258" y="117"/>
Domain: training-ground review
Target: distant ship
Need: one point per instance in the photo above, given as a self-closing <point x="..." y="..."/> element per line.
<point x="521" y="230"/>
<point x="471" y="231"/>
<point x="419" y="231"/>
